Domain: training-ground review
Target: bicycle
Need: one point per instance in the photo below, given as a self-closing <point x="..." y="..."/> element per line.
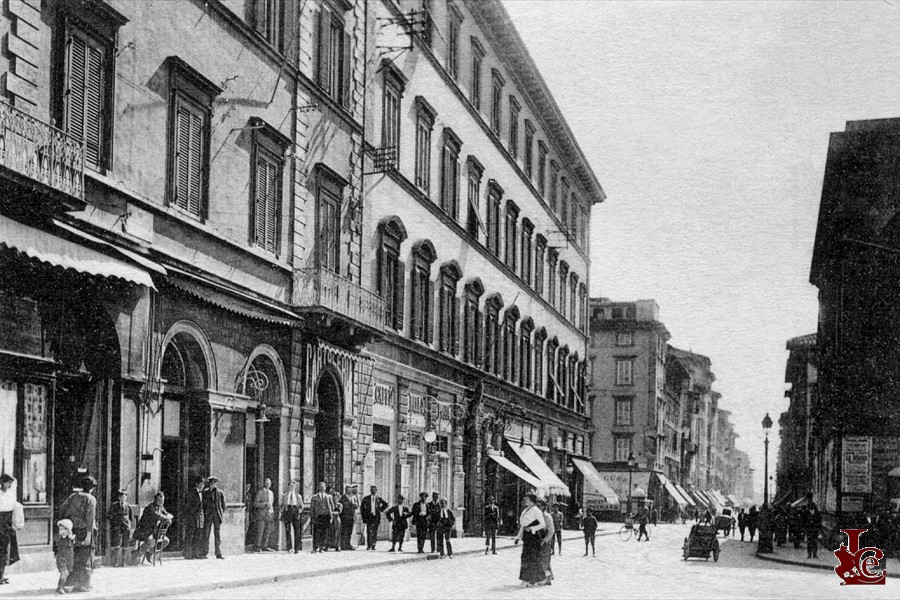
<point x="627" y="530"/>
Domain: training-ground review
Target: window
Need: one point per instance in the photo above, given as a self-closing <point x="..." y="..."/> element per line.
<point x="473" y="220"/>
<point x="495" y="192"/>
<point x="552" y="257"/>
<point x="509" y="343"/>
<point x="496" y="100"/>
<point x="450" y="174"/>
<point x="390" y="108"/>
<point x="269" y="146"/>
<point x="477" y="60"/>
<point x="562" y="376"/>
<point x="573" y="219"/>
<point x="624" y="338"/>
<point x="191" y="100"/>
<point x="472" y="325"/>
<point x="448" y="309"/>
<point x="540" y="249"/>
<point x="512" y="236"/>
<point x="573" y="298"/>
<point x="425" y="116"/>
<point x="514" y="110"/>
<point x="550" y="362"/>
<point x="554" y="185"/>
<point x="527" y="251"/>
<point x="427" y="31"/>
<point x="542" y="168"/>
<point x="529" y="149"/>
<point x="333" y="56"/>
<point x="328" y="235"/>
<point x="564" y="204"/>
<point x="623" y="448"/>
<point x="563" y="281"/>
<point x="539" y="339"/>
<point x="422" y="305"/>
<point x="24" y="412"/>
<point x="453" y="41"/>
<point x="492" y="335"/>
<point x="381" y="434"/>
<point x="268" y="19"/>
<point x="624" y="371"/>
<point x="391" y="272"/>
<point x="526" y="355"/>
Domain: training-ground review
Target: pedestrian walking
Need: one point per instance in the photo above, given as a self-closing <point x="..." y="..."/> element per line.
<point x="194" y="546"/>
<point x="589" y="527"/>
<point x="145" y="534"/>
<point x="399" y="516"/>
<point x="752" y="521"/>
<point x="443" y="527"/>
<point x="291" y="506"/>
<point x="65" y="553"/>
<point x="321" y="511"/>
<point x="81" y="508"/>
<point x="491" y="525"/>
<point x="120" y="517"/>
<point x="813" y="527"/>
<point x="371" y="509"/>
<point x="643" y="518"/>
<point x="557" y="528"/>
<point x="264" y="509"/>
<point x="742" y="522"/>
<point x="532" y="529"/>
<point x="547" y="543"/>
<point x="334" y="530"/>
<point x="213" y="516"/>
<point x="420" y="519"/>
<point x="781" y="527"/>
<point x="9" y="547"/>
<point x="433" y="507"/>
<point x="349" y="507"/>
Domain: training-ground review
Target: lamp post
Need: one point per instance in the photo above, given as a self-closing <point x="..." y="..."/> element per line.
<point x="767" y="425"/>
<point x="630" y="468"/>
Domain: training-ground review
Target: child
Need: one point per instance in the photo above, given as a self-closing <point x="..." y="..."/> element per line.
<point x="589" y="525"/>
<point x="121" y="518"/>
<point x="65" y="553"/>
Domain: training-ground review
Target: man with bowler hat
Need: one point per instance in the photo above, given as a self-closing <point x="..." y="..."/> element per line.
<point x="420" y="518"/>
<point x="213" y="515"/>
<point x="371" y="509"/>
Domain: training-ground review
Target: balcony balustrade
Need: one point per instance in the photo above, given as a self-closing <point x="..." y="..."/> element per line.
<point x="326" y="289"/>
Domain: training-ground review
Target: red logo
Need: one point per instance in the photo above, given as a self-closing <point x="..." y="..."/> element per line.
<point x="856" y="565"/>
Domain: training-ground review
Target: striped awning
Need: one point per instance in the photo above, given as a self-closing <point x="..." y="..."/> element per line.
<point x="672" y="490"/>
<point x="592" y="477"/>
<point x="685" y="494"/>
<point x="515" y="470"/>
<point x="550" y="483"/>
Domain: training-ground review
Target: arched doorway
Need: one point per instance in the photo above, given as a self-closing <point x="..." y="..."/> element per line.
<point x="329" y="444"/>
<point x="185" y="422"/>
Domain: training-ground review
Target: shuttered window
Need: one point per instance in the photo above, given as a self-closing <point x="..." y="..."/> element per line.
<point x="472" y="331"/>
<point x="391" y="273"/>
<point x="328" y="237"/>
<point x="422" y="302"/>
<point x="267" y="200"/>
<point x="448" y="335"/>
<point x="84" y="96"/>
<point x="189" y="158"/>
<point x="268" y="17"/>
<point x="450" y="177"/>
<point x="538" y="364"/>
<point x="333" y="61"/>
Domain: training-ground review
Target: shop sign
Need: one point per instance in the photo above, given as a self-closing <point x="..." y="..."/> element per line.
<point x="856" y="463"/>
<point x="852" y="504"/>
<point x="618" y="481"/>
<point x="417" y="404"/>
<point x="384" y="395"/>
<point x="414" y="440"/>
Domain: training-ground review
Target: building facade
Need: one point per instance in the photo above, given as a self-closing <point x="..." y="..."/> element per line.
<point x="793" y="477"/>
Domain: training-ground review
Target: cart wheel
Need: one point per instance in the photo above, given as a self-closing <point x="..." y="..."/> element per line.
<point x="716" y="554"/>
<point x="625" y="533"/>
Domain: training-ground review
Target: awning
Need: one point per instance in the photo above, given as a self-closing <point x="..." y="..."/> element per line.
<point x="592" y="477"/>
<point x="702" y="498"/>
<point x="132" y="256"/>
<point x="231" y="300"/>
<point x="673" y="492"/>
<point x="550" y="483"/>
<point x="520" y="473"/>
<point x="685" y="494"/>
<point x="56" y="251"/>
<point x="733" y="499"/>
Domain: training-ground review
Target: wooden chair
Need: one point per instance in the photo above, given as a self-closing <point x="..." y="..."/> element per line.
<point x="159" y="535"/>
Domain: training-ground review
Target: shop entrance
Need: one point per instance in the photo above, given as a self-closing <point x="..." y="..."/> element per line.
<point x="329" y="444"/>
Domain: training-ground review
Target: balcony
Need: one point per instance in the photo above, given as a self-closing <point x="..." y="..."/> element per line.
<point x="43" y="159"/>
<point x="346" y="307"/>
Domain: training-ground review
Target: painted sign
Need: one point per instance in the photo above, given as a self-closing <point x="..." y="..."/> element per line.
<point x="384" y="395"/>
<point x="618" y="481"/>
<point x="856" y="463"/>
<point x="851" y="503"/>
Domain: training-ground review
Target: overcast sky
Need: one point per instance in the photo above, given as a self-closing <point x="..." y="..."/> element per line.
<point x="707" y="124"/>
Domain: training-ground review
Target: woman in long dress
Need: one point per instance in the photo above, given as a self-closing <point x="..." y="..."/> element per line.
<point x="531" y="532"/>
<point x="547" y="544"/>
<point x="9" y="549"/>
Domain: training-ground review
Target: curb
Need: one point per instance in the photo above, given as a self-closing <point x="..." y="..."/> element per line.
<point x="786" y="561"/>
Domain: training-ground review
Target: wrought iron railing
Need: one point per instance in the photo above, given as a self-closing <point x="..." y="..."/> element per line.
<point x="321" y="287"/>
<point x="41" y="152"/>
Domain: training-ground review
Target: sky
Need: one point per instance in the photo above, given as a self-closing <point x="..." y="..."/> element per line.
<point x="707" y="124"/>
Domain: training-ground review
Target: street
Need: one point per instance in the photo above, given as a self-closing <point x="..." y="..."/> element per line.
<point x="621" y="569"/>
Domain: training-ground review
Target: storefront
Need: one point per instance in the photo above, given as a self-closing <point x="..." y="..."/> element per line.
<point x="599" y="498"/>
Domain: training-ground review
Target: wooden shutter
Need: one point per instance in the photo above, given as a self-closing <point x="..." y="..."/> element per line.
<point x="477" y="343"/>
<point x="260" y="16"/>
<point x="415" y="307"/>
<point x="380" y="284"/>
<point x="322" y="19"/>
<point x="84" y="101"/>
<point x="182" y="157"/>
<point x="74" y="92"/>
<point x="442" y="319"/>
<point x="266" y="210"/>
<point x="429" y="313"/>
<point x="196" y="163"/>
<point x="347" y="72"/>
<point x="400" y="295"/>
<point x="328" y="238"/>
<point x="455" y="323"/>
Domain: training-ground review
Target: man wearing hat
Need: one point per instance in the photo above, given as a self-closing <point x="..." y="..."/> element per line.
<point x="121" y="521"/>
<point x="399" y="516"/>
<point x="193" y="521"/>
<point x="420" y="514"/>
<point x="321" y="509"/>
<point x="349" y="505"/>
<point x="81" y="508"/>
<point x="213" y="515"/>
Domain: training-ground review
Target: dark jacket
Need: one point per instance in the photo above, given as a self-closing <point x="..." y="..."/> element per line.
<point x="152" y="516"/>
<point x="399" y="517"/>
<point x="81" y="509"/>
<point x="420" y="521"/>
<point x="589" y="525"/>
<point x="443" y="522"/>
<point x="371" y="509"/>
<point x="121" y="516"/>
<point x="214" y="505"/>
<point x="491" y="517"/>
<point x="349" y="504"/>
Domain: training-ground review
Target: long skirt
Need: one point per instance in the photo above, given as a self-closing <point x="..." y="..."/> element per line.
<point x="546" y="553"/>
<point x="531" y="570"/>
<point x="9" y="547"/>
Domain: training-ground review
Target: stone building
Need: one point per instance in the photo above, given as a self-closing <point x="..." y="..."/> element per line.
<point x="793" y="477"/>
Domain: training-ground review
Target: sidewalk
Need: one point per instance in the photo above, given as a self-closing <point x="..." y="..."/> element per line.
<point x="826" y="560"/>
<point x="176" y="576"/>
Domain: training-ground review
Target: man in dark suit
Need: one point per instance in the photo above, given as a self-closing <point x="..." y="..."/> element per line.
<point x="193" y="521"/>
<point x="349" y="505"/>
<point x="291" y="509"/>
<point x="321" y="507"/>
<point x="433" y="507"/>
<point x="444" y="520"/>
<point x="399" y="517"/>
<point x="370" y="510"/>
<point x="213" y="515"/>
<point x="491" y="525"/>
<point x="420" y="515"/>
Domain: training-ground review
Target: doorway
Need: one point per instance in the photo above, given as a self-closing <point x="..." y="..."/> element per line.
<point x="329" y="448"/>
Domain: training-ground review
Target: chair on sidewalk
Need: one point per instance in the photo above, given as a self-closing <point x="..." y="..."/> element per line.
<point x="159" y="543"/>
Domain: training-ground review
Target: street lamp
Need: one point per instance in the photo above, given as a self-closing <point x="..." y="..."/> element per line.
<point x="767" y="425"/>
<point x="630" y="467"/>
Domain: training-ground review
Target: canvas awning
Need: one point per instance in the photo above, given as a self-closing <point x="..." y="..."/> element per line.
<point x="672" y="491"/>
<point x="48" y="248"/>
<point x="592" y="477"/>
<point x="685" y="495"/>
<point x="702" y="498"/>
<point x="515" y="470"/>
<point x="733" y="499"/>
<point x="550" y="483"/>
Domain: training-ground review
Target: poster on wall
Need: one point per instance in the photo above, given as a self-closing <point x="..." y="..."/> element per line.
<point x="856" y="464"/>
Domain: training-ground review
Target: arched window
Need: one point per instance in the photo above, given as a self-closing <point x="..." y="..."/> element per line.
<point x="391" y="271"/>
<point x="422" y="292"/>
<point x="552" y="385"/>
<point x="552" y="258"/>
<point x="573" y="297"/>
<point x="448" y="309"/>
<point x="472" y="324"/>
<point x="563" y="282"/>
<point x="526" y="356"/>
<point x="492" y="308"/>
<point x="539" y="338"/>
<point x="562" y="376"/>
<point x="509" y="343"/>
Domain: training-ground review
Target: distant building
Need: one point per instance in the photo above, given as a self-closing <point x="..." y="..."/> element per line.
<point x="793" y="477"/>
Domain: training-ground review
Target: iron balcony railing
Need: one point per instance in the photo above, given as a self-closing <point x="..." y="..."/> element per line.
<point x="41" y="152"/>
<point x="324" y="288"/>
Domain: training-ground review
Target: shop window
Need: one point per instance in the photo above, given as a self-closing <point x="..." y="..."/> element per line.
<point x="24" y="419"/>
<point x="381" y="434"/>
<point x="441" y="444"/>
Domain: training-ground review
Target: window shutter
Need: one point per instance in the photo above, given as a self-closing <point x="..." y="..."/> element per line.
<point x="327" y="233"/>
<point x="455" y="322"/>
<point x="429" y="314"/>
<point x="74" y="92"/>
<point x="260" y="20"/>
<point x="182" y="157"/>
<point x="443" y="333"/>
<point x="272" y="209"/>
<point x="478" y="342"/>
<point x="400" y="297"/>
<point x="259" y="215"/>
<point x="379" y="271"/>
<point x="321" y="46"/>
<point x="347" y="72"/>
<point x="196" y="164"/>
<point x="93" y="109"/>
<point x="415" y="307"/>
